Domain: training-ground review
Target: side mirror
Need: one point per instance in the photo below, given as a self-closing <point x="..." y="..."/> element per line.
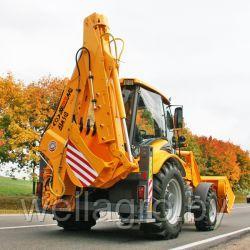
<point x="170" y="124"/>
<point x="178" y="117"/>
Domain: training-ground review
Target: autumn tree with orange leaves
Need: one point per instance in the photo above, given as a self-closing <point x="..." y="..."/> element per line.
<point x="216" y="157"/>
<point x="25" y="111"/>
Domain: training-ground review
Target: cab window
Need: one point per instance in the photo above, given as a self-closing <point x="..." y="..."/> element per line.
<point x="150" y="119"/>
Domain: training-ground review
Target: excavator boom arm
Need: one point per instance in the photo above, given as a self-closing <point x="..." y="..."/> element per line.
<point x="87" y="140"/>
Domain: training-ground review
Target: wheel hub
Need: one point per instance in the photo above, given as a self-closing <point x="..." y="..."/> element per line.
<point x="212" y="210"/>
<point x="173" y="198"/>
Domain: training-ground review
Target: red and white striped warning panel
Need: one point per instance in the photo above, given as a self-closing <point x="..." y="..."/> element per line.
<point x="79" y="165"/>
<point x="150" y="189"/>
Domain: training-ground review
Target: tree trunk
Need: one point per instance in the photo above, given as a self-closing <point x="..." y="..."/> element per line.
<point x="33" y="180"/>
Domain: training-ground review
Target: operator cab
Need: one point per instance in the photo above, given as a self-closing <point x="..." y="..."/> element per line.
<point x="148" y="114"/>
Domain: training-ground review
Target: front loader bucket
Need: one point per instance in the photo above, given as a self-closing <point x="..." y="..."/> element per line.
<point x="225" y="194"/>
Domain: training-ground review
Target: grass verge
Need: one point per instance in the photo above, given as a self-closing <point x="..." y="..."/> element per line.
<point x="12" y="191"/>
<point x="14" y="204"/>
<point x="15" y="187"/>
<point x="240" y="198"/>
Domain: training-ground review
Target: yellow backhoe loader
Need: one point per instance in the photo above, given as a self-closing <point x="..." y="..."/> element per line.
<point x="116" y="144"/>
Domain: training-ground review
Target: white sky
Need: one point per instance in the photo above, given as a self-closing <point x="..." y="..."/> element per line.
<point x="197" y="52"/>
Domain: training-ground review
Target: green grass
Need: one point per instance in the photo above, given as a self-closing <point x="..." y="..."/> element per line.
<point x="11" y="188"/>
<point x="11" y="193"/>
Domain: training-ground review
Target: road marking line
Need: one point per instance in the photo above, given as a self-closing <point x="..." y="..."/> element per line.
<point x="210" y="239"/>
<point x="10" y="215"/>
<point x="30" y="226"/>
<point x="241" y="207"/>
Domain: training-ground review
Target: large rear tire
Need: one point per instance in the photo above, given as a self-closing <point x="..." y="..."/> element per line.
<point x="206" y="217"/>
<point x="168" y="203"/>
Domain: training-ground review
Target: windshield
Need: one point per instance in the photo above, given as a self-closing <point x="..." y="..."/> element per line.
<point x="144" y="114"/>
<point x="150" y="120"/>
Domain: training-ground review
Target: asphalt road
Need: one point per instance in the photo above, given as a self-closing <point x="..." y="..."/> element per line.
<point x="17" y="233"/>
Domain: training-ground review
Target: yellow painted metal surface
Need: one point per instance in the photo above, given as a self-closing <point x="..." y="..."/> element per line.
<point x="145" y="85"/>
<point x="160" y="155"/>
<point x="191" y="168"/>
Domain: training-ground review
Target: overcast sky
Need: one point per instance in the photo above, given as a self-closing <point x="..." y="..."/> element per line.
<point x="197" y="52"/>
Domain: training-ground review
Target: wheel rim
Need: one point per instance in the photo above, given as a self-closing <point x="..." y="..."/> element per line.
<point x="212" y="210"/>
<point x="173" y="197"/>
